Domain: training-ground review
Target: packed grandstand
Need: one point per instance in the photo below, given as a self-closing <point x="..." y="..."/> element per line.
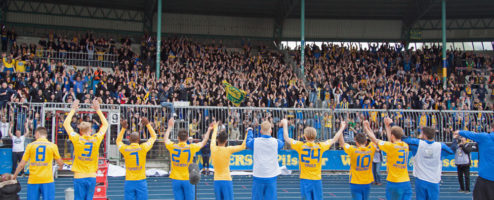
<point x="338" y="76"/>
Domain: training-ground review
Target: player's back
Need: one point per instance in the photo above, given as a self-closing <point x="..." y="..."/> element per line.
<point x="360" y="163"/>
<point x="135" y="160"/>
<point x="220" y="157"/>
<point x="86" y="152"/>
<point x="40" y="154"/>
<point x="310" y="157"/>
<point x="397" y="160"/>
<point x="181" y="155"/>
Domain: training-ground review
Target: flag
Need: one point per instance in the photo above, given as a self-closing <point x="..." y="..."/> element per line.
<point x="235" y="95"/>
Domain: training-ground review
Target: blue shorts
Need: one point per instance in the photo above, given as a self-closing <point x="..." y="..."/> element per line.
<point x="426" y="190"/>
<point x="399" y="191"/>
<point x="264" y="188"/>
<point x="360" y="191"/>
<point x="223" y="190"/>
<point x="84" y="188"/>
<point x="135" y="190"/>
<point x="46" y="190"/>
<point x="182" y="190"/>
<point x="311" y="189"/>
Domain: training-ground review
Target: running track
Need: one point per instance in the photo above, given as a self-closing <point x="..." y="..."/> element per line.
<point x="335" y="187"/>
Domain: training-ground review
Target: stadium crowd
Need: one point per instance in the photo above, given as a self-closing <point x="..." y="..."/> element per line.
<point x="337" y="76"/>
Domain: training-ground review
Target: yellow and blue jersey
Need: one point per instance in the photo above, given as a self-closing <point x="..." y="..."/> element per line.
<point x="360" y="163"/>
<point x="86" y="152"/>
<point x="310" y="158"/>
<point x="20" y="66"/>
<point x="86" y="148"/>
<point x="8" y="65"/>
<point x="40" y="154"/>
<point x="135" y="156"/>
<point x="397" y="160"/>
<point x="181" y="155"/>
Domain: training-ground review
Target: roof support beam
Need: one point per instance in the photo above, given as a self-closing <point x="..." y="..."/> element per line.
<point x="417" y="9"/>
<point x="3" y="11"/>
<point x="147" y="20"/>
<point x="285" y="7"/>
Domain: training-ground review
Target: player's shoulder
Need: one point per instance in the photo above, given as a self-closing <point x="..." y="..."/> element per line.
<point x="296" y="142"/>
<point x="383" y="143"/>
<point x="348" y="146"/>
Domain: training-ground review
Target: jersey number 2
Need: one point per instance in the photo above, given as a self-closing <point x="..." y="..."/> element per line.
<point x="177" y="154"/>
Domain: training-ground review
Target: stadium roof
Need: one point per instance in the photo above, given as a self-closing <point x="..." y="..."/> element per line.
<point x="341" y="9"/>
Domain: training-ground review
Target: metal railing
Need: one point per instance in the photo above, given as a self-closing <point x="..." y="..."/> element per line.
<point x="236" y="120"/>
<point x="95" y="59"/>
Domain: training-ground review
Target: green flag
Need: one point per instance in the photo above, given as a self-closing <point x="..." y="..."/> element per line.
<point x="235" y="95"/>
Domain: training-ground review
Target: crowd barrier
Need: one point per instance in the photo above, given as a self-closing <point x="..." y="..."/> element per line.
<point x="336" y="160"/>
<point x="100" y="59"/>
<point x="235" y="120"/>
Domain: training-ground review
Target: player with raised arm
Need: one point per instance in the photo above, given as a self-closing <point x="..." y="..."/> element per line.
<point x="220" y="156"/>
<point x="310" y="156"/>
<point x="427" y="166"/>
<point x="266" y="167"/>
<point x="361" y="157"/>
<point x="40" y="154"/>
<point x="182" y="155"/>
<point x="398" y="187"/>
<point x="86" y="152"/>
<point x="136" y="186"/>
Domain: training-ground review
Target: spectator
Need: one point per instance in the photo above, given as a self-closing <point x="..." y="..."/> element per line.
<point x="376" y="167"/>
<point x="5" y="128"/>
<point x="462" y="162"/>
<point x="17" y="149"/>
<point x="485" y="181"/>
<point x="9" y="188"/>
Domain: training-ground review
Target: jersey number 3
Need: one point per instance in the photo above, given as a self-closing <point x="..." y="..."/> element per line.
<point x="88" y="149"/>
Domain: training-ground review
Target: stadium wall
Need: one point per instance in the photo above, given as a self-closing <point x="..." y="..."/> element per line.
<point x="457" y="29"/>
<point x="341" y="29"/>
<point x="217" y="25"/>
<point x="58" y="15"/>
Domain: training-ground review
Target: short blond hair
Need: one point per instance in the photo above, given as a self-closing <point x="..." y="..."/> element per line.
<point x="310" y="133"/>
<point x="266" y="127"/>
<point x="84" y="127"/>
<point x="397" y="132"/>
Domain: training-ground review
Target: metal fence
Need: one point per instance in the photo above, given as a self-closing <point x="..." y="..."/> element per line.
<point x="101" y="59"/>
<point x="235" y="121"/>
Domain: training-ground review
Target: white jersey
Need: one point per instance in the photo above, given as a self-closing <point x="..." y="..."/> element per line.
<point x="18" y="144"/>
<point x="428" y="165"/>
<point x="266" y="158"/>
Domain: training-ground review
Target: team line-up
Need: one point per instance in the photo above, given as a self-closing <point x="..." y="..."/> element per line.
<point x="427" y="163"/>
